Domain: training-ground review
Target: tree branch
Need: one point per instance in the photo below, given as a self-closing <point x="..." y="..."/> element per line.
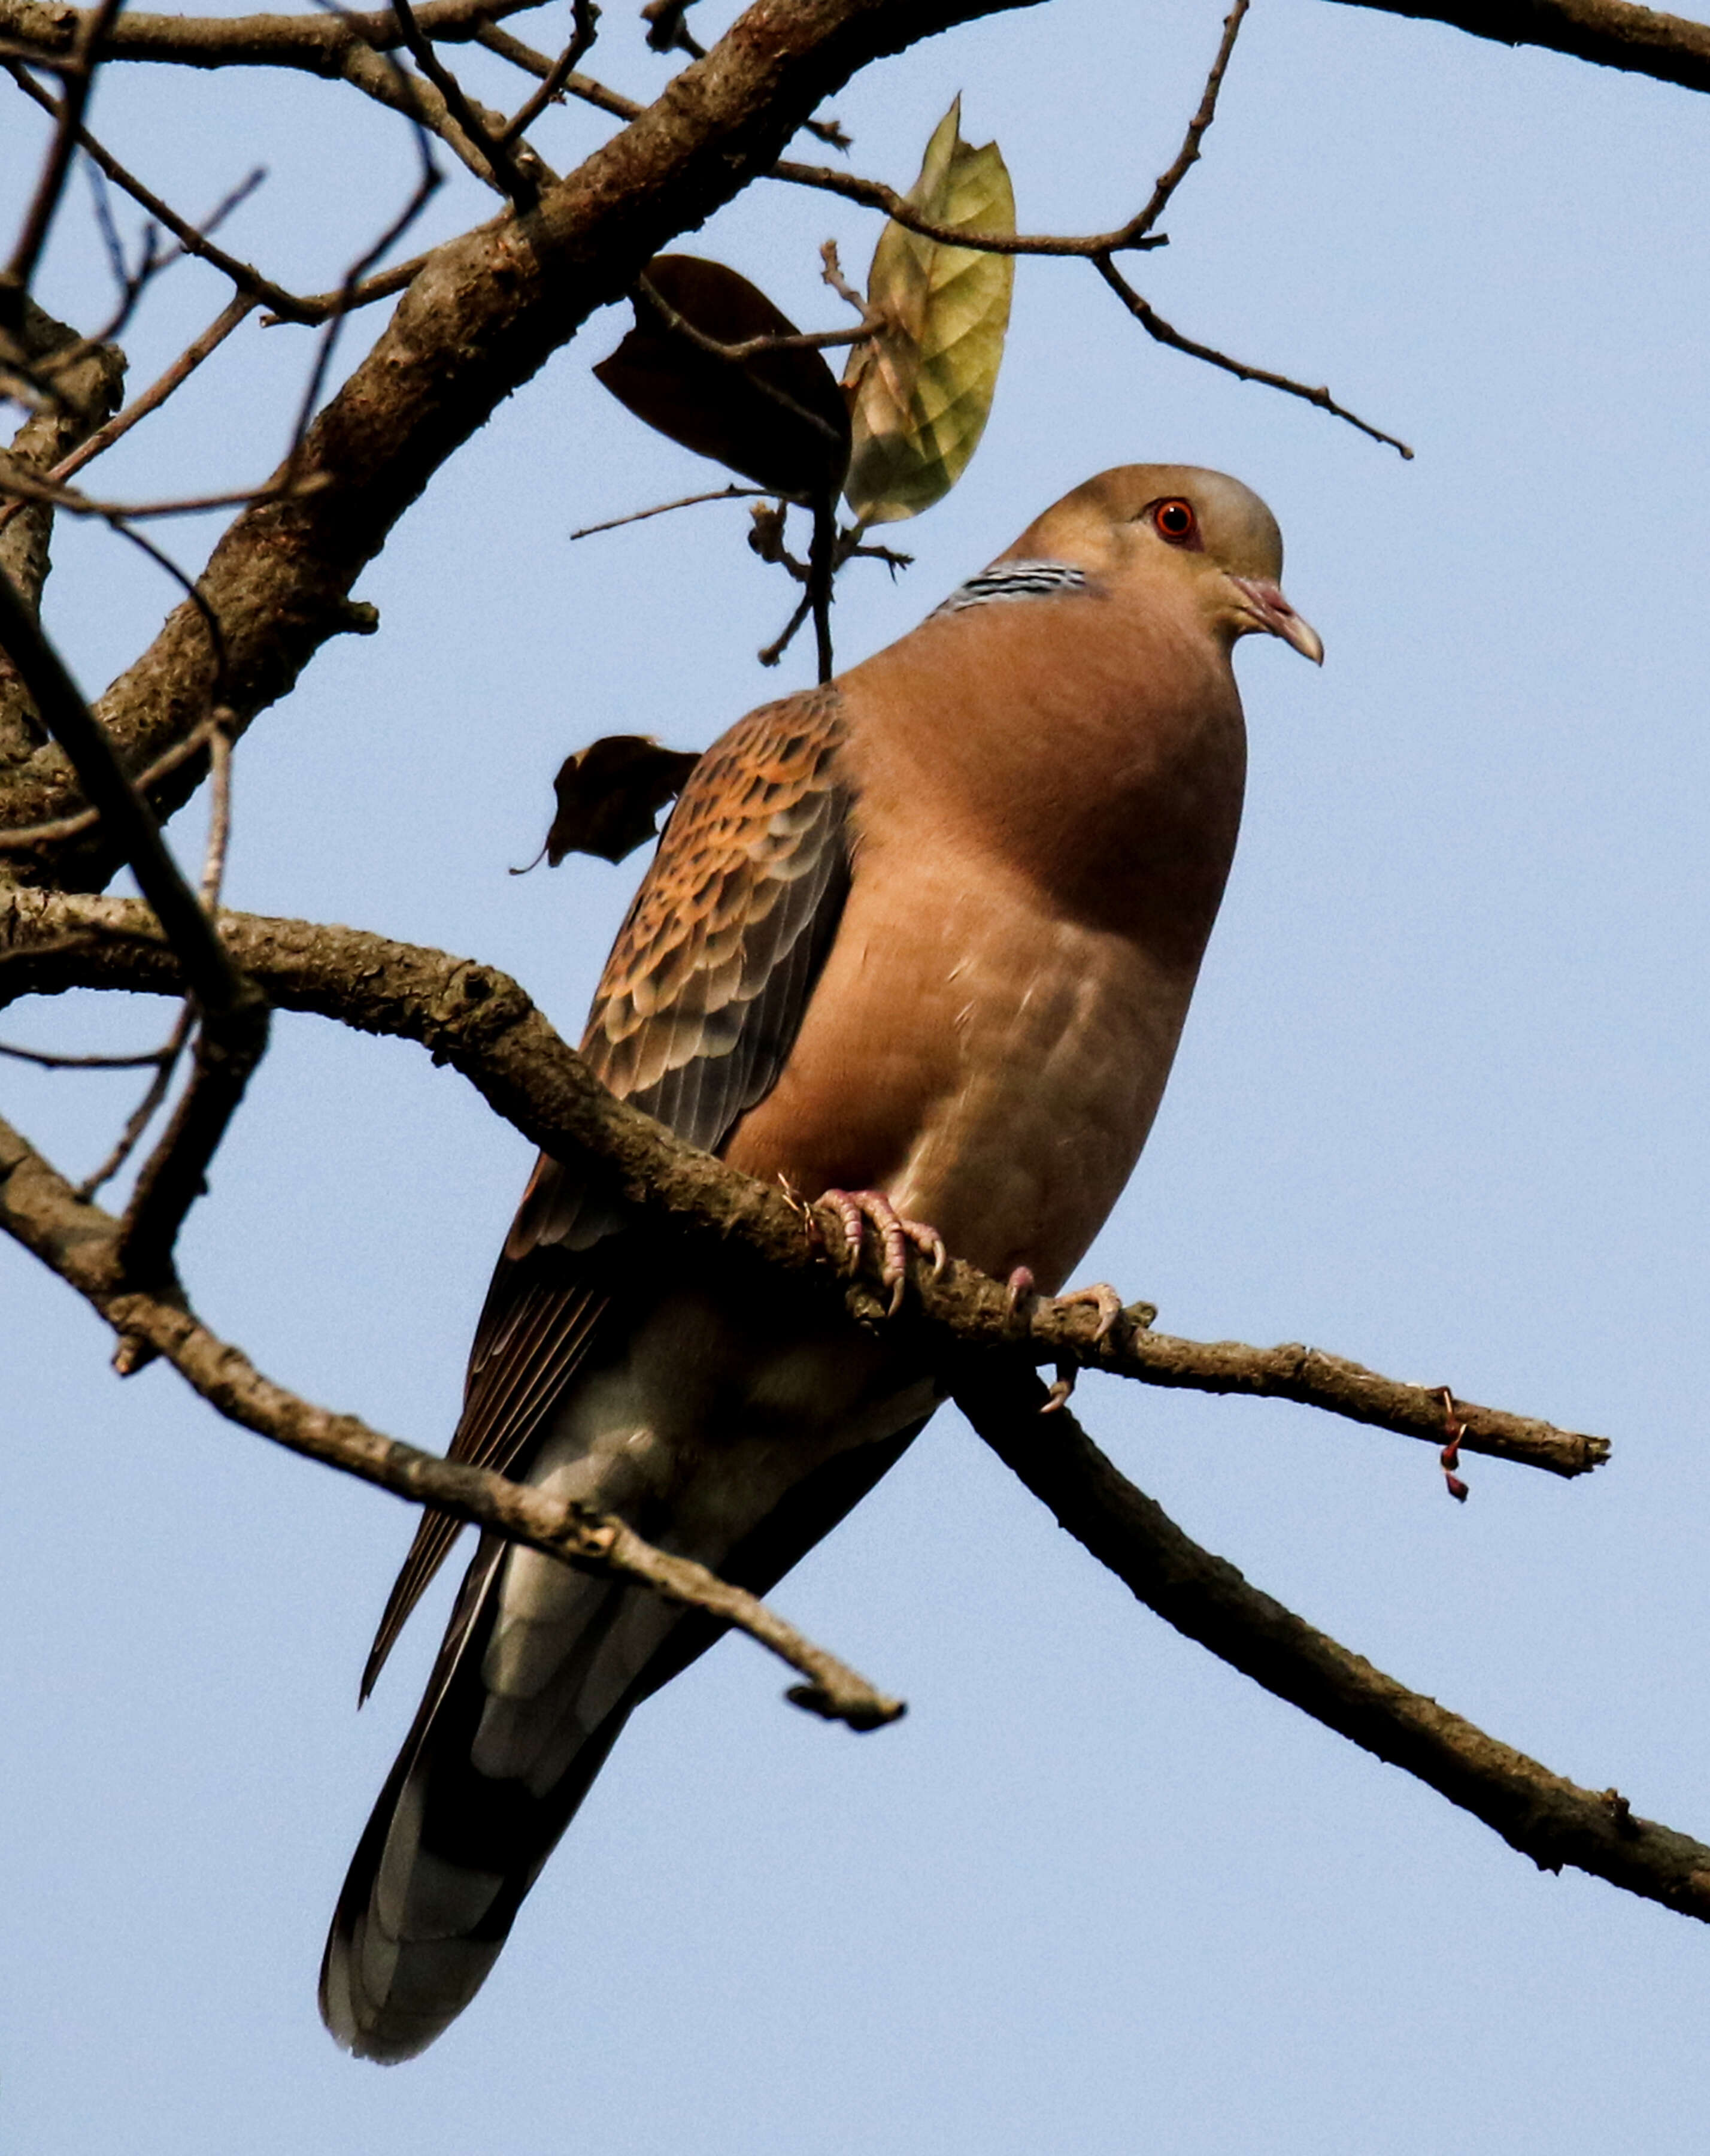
<point x="480" y="1022"/>
<point x="1153" y="324"/>
<point x="483" y="313"/>
<point x="79" y="1242"/>
<point x="1542" y="1815"/>
<point x="316" y="43"/>
<point x="1611" y="32"/>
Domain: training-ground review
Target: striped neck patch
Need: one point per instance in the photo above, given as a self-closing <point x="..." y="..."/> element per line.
<point x="1015" y="580"/>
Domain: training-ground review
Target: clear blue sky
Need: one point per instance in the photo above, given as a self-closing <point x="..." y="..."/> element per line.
<point x="1442" y="1105"/>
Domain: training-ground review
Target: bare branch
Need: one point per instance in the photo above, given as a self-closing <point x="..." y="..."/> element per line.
<point x="243" y="275"/>
<point x="235" y="312"/>
<point x="874" y="194"/>
<point x="80" y="1243"/>
<point x="1155" y="326"/>
<point x="46" y="1059"/>
<point x="511" y="48"/>
<point x="1135" y="234"/>
<point x="1188" y="156"/>
<point x="143" y="1114"/>
<point x="1542" y="1815"/>
<point x="664" y="508"/>
<point x="85" y="819"/>
<point x="585" y="20"/>
<point x="478" y="1021"/>
<point x="22" y="487"/>
<point x="493" y="144"/>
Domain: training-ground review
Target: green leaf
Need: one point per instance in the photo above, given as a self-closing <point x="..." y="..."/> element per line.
<point x="920" y="391"/>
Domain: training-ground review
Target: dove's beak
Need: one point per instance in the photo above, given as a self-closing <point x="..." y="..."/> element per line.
<point x="1265" y="607"/>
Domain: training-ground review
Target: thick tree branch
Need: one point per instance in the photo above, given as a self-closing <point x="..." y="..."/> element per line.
<point x="482" y="1024"/>
<point x="482" y="315"/>
<point x="317" y="44"/>
<point x="1542" y="1815"/>
<point x="1639" y="40"/>
<point x="79" y="1242"/>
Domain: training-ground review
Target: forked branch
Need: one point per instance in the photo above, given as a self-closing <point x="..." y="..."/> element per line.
<point x="79" y="1241"/>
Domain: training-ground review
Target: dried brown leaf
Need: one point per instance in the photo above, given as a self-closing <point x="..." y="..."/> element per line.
<point x="778" y="418"/>
<point x="610" y="795"/>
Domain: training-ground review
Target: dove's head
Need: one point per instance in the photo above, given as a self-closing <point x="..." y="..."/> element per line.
<point x="1176" y="528"/>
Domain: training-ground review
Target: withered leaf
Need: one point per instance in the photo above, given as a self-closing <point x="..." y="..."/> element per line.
<point x="610" y="795"/>
<point x="921" y="390"/>
<point x="779" y="419"/>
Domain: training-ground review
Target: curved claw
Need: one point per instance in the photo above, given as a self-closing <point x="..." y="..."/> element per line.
<point x="1104" y="1298"/>
<point x="1018" y="1289"/>
<point x="896" y="1232"/>
<point x="1059" y="1392"/>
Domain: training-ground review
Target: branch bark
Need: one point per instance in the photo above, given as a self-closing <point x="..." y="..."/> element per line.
<point x="480" y="1022"/>
<point x="1543" y="1815"/>
<point x="80" y="1243"/>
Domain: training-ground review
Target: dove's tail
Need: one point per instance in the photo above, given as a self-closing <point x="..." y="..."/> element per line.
<point x="540" y="1669"/>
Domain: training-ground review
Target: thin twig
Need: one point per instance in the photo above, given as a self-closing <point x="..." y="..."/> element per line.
<point x="585" y="20"/>
<point x="518" y="185"/>
<point x="150" y="263"/>
<point x="428" y="181"/>
<point x="874" y="194"/>
<point x="688" y="502"/>
<point x="317" y="306"/>
<point x="46" y="1059"/>
<point x="243" y="275"/>
<point x="1188" y="156"/>
<point x="769" y="655"/>
<point x="738" y="355"/>
<point x="23" y="486"/>
<point x="237" y="309"/>
<point x="143" y="1114"/>
<point x="85" y="819"/>
<point x="513" y="49"/>
<point x="1155" y="326"/>
<point x="78" y="1242"/>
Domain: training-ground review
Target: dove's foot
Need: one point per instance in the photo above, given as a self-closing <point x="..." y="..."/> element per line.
<point x="856" y="1208"/>
<point x="1104" y="1298"/>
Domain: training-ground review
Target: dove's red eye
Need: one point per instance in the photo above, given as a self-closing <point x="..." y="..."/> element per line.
<point x="1175" y="521"/>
